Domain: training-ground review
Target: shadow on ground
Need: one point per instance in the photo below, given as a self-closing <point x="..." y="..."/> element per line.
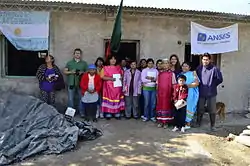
<point x="132" y="143"/>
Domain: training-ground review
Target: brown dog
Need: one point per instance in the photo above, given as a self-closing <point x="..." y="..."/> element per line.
<point x="221" y="108"/>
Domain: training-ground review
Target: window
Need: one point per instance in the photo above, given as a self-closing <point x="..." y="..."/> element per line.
<point x="129" y="49"/>
<point x="20" y="63"/>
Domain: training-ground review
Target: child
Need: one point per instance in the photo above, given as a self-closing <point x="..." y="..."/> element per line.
<point x="180" y="96"/>
<point x="132" y="90"/>
<point x="91" y="86"/>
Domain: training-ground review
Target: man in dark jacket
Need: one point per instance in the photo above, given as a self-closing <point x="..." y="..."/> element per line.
<point x="210" y="77"/>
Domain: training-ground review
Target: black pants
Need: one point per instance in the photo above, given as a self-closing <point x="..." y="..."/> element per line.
<point x="47" y="97"/>
<point x="208" y="104"/>
<point x="180" y="117"/>
<point x="141" y="105"/>
<point x="90" y="110"/>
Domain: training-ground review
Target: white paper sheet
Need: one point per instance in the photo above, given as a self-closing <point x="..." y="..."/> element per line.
<point x="151" y="74"/>
<point x="117" y="82"/>
<point x="70" y="112"/>
<point x="180" y="103"/>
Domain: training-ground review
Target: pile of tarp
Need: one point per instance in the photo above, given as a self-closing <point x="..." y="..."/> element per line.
<point x="29" y="127"/>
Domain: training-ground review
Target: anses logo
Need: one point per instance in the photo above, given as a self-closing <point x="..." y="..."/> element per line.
<point x="203" y="37"/>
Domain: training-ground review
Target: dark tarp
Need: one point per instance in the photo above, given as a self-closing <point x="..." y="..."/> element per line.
<point x="29" y="127"/>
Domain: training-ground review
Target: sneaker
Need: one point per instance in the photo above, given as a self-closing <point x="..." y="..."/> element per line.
<point x="101" y="115"/>
<point x="183" y="129"/>
<point x="153" y="119"/>
<point x="136" y="118"/>
<point x="143" y="117"/>
<point x="165" y="126"/>
<point x="175" y="129"/>
<point x="145" y="120"/>
<point x="213" y="129"/>
<point x="160" y="125"/>
<point x="187" y="127"/>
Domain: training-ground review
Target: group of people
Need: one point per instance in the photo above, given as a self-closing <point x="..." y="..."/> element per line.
<point x="167" y="93"/>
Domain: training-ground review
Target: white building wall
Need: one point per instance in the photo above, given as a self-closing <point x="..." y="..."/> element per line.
<point x="158" y="39"/>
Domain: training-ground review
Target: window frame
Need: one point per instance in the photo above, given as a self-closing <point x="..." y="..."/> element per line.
<point x="137" y="42"/>
<point x="4" y="61"/>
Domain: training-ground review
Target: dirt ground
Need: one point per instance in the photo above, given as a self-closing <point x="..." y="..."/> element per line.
<point x="131" y="142"/>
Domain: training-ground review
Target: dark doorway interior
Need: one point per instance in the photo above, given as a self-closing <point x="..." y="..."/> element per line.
<point x="128" y="50"/>
<point x="21" y="63"/>
<point x="193" y="59"/>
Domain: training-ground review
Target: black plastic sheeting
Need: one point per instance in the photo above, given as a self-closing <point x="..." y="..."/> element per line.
<point x="29" y="127"/>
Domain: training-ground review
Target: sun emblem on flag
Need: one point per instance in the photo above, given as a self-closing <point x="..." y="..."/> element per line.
<point x="17" y="31"/>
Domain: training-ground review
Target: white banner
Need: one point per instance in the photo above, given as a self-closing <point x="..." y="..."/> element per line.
<point x="26" y="30"/>
<point x="213" y="40"/>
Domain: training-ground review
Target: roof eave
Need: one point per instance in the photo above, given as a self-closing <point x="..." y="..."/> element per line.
<point x="100" y="8"/>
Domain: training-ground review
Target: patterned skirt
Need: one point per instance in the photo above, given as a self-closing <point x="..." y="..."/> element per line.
<point x="112" y="106"/>
<point x="165" y="116"/>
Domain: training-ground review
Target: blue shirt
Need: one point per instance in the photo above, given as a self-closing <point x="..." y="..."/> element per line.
<point x="46" y="85"/>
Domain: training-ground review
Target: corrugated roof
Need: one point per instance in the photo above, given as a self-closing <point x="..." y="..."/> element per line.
<point x="76" y="3"/>
<point x="89" y="2"/>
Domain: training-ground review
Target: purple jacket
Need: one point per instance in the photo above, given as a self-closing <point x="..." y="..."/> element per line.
<point x="210" y="77"/>
<point x="137" y="82"/>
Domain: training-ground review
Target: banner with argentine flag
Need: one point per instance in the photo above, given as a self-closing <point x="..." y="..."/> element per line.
<point x="27" y="31"/>
<point x="213" y="40"/>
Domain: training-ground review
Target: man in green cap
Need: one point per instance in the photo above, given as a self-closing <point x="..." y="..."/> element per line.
<point x="73" y="70"/>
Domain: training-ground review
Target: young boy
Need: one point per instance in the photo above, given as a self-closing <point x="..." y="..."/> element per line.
<point x="180" y="95"/>
<point x="91" y="84"/>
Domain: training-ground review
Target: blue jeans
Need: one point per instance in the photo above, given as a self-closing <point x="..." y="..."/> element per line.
<point x="71" y="97"/>
<point x="149" y="103"/>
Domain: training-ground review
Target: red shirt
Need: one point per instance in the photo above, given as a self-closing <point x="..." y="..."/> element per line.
<point x="85" y="82"/>
<point x="180" y="92"/>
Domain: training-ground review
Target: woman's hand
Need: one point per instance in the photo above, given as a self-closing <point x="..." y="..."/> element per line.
<point x="54" y="79"/>
<point x="48" y="79"/>
<point x="112" y="79"/>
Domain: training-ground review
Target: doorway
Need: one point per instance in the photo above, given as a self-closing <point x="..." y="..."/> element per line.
<point x="129" y="50"/>
<point x="195" y="60"/>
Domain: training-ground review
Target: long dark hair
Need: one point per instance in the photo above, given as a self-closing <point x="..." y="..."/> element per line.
<point x="178" y="64"/>
<point x="99" y="59"/>
<point x="139" y="65"/>
<point x="187" y="63"/>
<point x="110" y="57"/>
